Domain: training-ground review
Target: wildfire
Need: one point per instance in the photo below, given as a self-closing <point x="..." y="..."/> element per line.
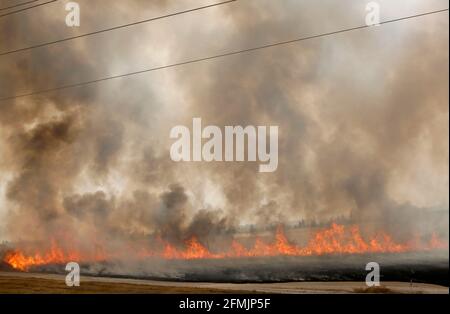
<point x="55" y="255"/>
<point x="337" y="239"/>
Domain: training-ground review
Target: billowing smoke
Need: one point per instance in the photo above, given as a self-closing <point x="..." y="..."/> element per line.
<point x="363" y="120"/>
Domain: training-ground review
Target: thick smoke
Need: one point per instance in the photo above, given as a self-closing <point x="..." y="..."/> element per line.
<point x="363" y="121"/>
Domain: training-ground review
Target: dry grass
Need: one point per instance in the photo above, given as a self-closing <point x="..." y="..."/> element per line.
<point x="37" y="285"/>
<point x="374" y="289"/>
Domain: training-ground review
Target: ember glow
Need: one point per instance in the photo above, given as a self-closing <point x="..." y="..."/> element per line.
<point x="337" y="239"/>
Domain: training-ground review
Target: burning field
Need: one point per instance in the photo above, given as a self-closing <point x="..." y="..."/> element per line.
<point x="337" y="240"/>
<point x="337" y="253"/>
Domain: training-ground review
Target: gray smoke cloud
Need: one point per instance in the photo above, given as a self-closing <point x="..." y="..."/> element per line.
<point x="363" y="120"/>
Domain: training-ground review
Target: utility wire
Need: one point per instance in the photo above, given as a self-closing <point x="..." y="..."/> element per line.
<point x="27" y="8"/>
<point x="115" y="28"/>
<point x="18" y="5"/>
<point x="37" y="92"/>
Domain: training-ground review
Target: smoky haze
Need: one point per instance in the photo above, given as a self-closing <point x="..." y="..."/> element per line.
<point x="362" y="116"/>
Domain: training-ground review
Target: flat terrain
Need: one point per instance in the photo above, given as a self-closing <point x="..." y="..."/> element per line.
<point x="13" y="282"/>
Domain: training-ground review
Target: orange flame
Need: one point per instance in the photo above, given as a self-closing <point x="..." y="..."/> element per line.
<point x="55" y="255"/>
<point x="337" y="239"/>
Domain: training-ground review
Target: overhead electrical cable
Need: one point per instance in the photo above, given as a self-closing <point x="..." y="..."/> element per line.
<point x="27" y="8"/>
<point x="18" y="5"/>
<point x="222" y="55"/>
<point x="115" y="28"/>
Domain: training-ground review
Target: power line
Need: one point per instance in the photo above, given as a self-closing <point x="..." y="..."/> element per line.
<point x="216" y="56"/>
<point x="116" y="28"/>
<point x="24" y="9"/>
<point x="18" y="5"/>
